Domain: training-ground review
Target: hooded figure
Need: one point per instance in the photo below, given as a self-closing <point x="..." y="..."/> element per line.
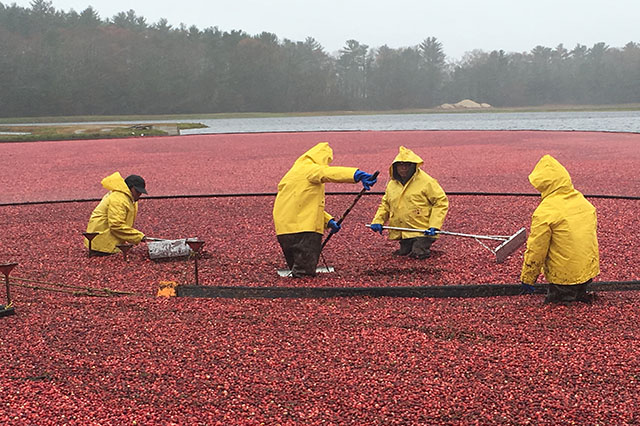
<point x="298" y="212"/>
<point x="563" y="242"/>
<point x="412" y="199"/>
<point x="114" y="217"/>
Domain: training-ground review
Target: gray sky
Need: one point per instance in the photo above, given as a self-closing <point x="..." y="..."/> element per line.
<point x="460" y="25"/>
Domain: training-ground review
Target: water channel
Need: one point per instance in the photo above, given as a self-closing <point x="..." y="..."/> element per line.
<point x="606" y="121"/>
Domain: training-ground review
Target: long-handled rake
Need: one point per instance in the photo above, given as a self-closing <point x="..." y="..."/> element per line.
<point x="325" y="268"/>
<point x="510" y="243"/>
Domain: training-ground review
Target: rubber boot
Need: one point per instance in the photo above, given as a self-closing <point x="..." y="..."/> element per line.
<point x="301" y="251"/>
<point x="421" y="248"/>
<point x="405" y="247"/>
<point x="583" y="296"/>
<point x="568" y="294"/>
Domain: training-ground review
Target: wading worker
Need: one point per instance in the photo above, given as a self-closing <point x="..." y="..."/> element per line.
<point x="562" y="243"/>
<point x="413" y="199"/>
<point x="114" y="217"/>
<point x="298" y="212"/>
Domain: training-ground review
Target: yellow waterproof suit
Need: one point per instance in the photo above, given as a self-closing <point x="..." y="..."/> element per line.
<point x="113" y="218"/>
<point x="299" y="205"/>
<point x="563" y="241"/>
<point x="420" y="204"/>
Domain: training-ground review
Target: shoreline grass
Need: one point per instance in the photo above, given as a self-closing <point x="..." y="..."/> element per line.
<point x="34" y="133"/>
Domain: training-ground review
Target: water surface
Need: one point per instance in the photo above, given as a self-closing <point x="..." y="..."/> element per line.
<point x="596" y="121"/>
<point x="609" y="121"/>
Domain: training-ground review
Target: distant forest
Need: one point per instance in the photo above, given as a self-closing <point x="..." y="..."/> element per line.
<point x="55" y="63"/>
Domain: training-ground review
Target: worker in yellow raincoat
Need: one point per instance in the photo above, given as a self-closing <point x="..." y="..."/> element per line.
<point x="298" y="212"/>
<point x="563" y="242"/>
<point x="114" y="217"/>
<point x="412" y="199"/>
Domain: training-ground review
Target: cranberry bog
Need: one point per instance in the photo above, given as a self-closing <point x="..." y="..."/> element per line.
<point x="125" y="356"/>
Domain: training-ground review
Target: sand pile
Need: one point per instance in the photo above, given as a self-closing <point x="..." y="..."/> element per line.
<point x="465" y="104"/>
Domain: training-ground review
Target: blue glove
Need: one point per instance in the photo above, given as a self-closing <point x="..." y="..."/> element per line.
<point x="527" y="289"/>
<point x="367" y="180"/>
<point x="334" y="226"/>
<point x="431" y="232"/>
<point x="376" y="227"/>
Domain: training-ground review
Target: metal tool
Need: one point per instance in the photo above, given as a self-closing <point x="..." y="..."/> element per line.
<point x="90" y="236"/>
<point x="6" y="269"/>
<point x="360" y="194"/>
<point x="160" y="248"/>
<point x="195" y="245"/>
<point x="319" y="270"/>
<point x="124" y="248"/>
<point x="510" y="243"/>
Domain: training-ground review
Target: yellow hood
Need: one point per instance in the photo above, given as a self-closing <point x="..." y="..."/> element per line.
<point x="549" y="175"/>
<point x="321" y="154"/>
<point x="115" y="182"/>
<point x="405" y="155"/>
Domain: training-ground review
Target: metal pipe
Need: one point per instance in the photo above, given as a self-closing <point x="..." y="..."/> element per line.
<point x="457" y="234"/>
<point x="6" y="281"/>
<point x="196" y="263"/>
<point x="6" y="269"/>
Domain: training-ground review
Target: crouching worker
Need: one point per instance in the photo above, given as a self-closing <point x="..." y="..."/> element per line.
<point x="413" y="199"/>
<point x="114" y="217"/>
<point x="298" y="212"/>
<point x="563" y="242"/>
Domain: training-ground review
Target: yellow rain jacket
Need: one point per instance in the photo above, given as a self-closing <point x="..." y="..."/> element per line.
<point x="563" y="242"/>
<point x="420" y="204"/>
<point x="113" y="218"/>
<point x="299" y="205"/>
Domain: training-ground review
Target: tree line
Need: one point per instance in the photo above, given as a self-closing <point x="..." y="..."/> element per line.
<point x="54" y="62"/>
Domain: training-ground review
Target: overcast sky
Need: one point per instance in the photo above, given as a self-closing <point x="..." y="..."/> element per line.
<point x="460" y="25"/>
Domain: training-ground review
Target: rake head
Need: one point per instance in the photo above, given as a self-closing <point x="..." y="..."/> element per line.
<point x="510" y="245"/>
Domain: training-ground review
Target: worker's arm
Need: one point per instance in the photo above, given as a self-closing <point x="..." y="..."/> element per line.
<point x="117" y="220"/>
<point x="537" y="249"/>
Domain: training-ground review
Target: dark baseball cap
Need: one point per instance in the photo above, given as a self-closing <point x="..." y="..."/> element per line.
<point x="135" y="181"/>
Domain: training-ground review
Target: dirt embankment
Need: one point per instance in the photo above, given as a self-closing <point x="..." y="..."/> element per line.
<point x="465" y="104"/>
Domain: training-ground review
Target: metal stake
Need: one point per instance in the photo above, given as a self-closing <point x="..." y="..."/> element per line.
<point x="195" y="245"/>
<point x="6" y="268"/>
<point x="124" y="248"/>
<point x="90" y="236"/>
